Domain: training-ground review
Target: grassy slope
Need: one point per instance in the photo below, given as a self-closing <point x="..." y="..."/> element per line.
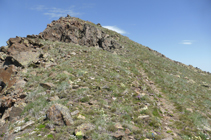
<point x="111" y="79"/>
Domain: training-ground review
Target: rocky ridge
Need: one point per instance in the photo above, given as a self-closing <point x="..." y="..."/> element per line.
<point x="22" y="52"/>
<point x="32" y="51"/>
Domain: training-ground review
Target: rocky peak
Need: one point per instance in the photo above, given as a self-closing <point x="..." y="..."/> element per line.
<point x="80" y="32"/>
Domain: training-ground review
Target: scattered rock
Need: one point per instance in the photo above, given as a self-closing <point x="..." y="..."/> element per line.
<point x="114" y="98"/>
<point x="49" y="126"/>
<point x="81" y="117"/>
<point x="54" y="98"/>
<point x="191" y="81"/>
<point x="47" y="85"/>
<point x="59" y="114"/>
<point x="75" y="86"/>
<point x="118" y="126"/>
<point x="75" y="112"/>
<point x="20" y="83"/>
<point x="207" y="128"/>
<point x="189" y="109"/>
<point x="144" y="108"/>
<point x="127" y="131"/>
<point x="206" y="85"/>
<point x="143" y="117"/>
<point x="93" y="102"/>
<point x="21" y="128"/>
<point x="178" y="76"/>
<point x="83" y="128"/>
<point x="118" y="134"/>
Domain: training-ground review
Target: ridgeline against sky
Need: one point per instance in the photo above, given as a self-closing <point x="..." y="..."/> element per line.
<point x="178" y="29"/>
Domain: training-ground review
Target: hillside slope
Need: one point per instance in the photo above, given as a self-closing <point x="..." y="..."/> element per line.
<point x="78" y="80"/>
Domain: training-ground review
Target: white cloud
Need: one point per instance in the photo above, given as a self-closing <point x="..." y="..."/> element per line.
<point x="39" y="8"/>
<point x="187" y="42"/>
<point x="116" y="29"/>
<point x="56" y="12"/>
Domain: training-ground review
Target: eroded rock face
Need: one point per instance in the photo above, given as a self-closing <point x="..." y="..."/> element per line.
<point x="59" y="114"/>
<point x="71" y="30"/>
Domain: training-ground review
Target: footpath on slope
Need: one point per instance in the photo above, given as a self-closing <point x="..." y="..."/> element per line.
<point x="167" y="108"/>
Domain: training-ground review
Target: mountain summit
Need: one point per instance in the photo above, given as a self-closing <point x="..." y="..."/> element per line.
<point x="78" y="80"/>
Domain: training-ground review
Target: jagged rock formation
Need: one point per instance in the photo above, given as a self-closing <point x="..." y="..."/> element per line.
<point x="72" y="30"/>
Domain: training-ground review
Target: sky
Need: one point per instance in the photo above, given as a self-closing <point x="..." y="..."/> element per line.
<point x="179" y="29"/>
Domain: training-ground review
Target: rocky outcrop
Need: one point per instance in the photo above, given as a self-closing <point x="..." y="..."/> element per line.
<point x="79" y="32"/>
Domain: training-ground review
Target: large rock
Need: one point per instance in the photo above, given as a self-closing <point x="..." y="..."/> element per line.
<point x="7" y="77"/>
<point x="14" y="113"/>
<point x="22" y="51"/>
<point x="60" y="115"/>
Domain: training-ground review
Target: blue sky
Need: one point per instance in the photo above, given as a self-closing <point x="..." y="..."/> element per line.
<point x="179" y="29"/>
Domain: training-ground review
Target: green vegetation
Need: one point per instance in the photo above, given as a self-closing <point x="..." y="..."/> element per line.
<point x="108" y="88"/>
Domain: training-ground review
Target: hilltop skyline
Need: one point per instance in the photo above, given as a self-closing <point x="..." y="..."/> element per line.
<point x="178" y="29"/>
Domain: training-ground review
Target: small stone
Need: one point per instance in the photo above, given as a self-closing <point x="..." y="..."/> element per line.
<point x="178" y="76"/>
<point x="118" y="126"/>
<point x="27" y="124"/>
<point x="21" y="128"/>
<point x="74" y="112"/>
<point x="143" y="117"/>
<point x="186" y="78"/>
<point x="92" y="102"/>
<point x="81" y="117"/>
<point x="32" y="132"/>
<point x="75" y="86"/>
<point x="92" y="78"/>
<point x="49" y="126"/>
<point x="118" y="134"/>
<point x="144" y="108"/>
<point x="127" y="131"/>
<point x="70" y="103"/>
<point x="54" y="98"/>
<point x="33" y="73"/>
<point x="65" y="72"/>
<point x="151" y="82"/>
<point x="47" y="85"/>
<point x="20" y="84"/>
<point x="114" y="98"/>
<point x="83" y="128"/>
<point x="189" y="109"/>
<point x="52" y="60"/>
<point x="17" y="129"/>
<point x="73" y="53"/>
<point x="23" y="95"/>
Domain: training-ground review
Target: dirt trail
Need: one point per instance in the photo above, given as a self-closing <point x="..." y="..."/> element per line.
<point x="167" y="108"/>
